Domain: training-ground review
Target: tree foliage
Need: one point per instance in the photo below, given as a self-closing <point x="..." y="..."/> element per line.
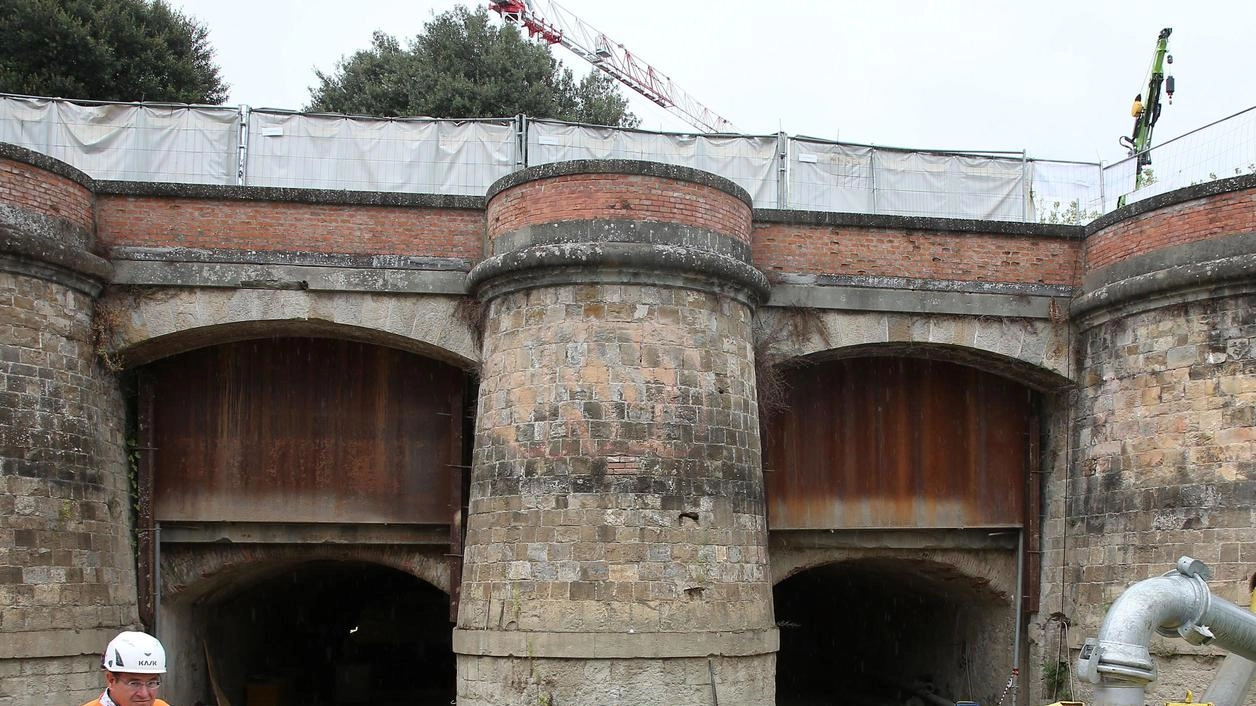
<point x="462" y="65"/>
<point x="115" y="50"/>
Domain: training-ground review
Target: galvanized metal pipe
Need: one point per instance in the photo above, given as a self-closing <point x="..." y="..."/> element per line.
<point x="1232" y="683"/>
<point x="1176" y="604"/>
<point x="1234" y="678"/>
<point x="1018" y="612"/>
<point x="157" y="580"/>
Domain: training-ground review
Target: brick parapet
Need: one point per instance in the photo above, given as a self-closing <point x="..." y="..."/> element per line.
<point x="244" y="225"/>
<point x="1218" y="208"/>
<point x="617" y="190"/>
<point x="48" y="193"/>
<point x="47" y="220"/>
<point x="883" y="247"/>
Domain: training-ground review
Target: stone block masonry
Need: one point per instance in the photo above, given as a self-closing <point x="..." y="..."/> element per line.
<point x="616" y="544"/>
<point x="67" y="576"/>
<point x="616" y="541"/>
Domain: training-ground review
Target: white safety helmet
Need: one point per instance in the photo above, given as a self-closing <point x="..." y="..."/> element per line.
<point x="134" y="653"/>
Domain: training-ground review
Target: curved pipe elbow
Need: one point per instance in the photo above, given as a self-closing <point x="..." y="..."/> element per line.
<point x="1174" y="605"/>
<point x="1164" y="603"/>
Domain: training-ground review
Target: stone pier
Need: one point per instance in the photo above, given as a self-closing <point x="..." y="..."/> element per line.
<point x="616" y="540"/>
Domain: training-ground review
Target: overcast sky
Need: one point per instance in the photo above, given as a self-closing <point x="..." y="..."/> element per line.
<point x="1055" y="78"/>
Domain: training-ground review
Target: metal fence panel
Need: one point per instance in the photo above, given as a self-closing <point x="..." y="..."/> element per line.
<point x="201" y="145"/>
<point x="1221" y="149"/>
<point x="1066" y="192"/>
<point x="748" y="161"/>
<point x="949" y="185"/>
<point x="368" y="154"/>
<point x="826" y="176"/>
<point x="126" y="141"/>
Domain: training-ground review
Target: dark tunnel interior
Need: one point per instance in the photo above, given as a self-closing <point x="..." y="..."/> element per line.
<point x="332" y="633"/>
<point x="883" y="632"/>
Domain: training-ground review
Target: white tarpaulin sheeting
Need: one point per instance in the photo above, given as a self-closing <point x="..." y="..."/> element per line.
<point x="950" y="185"/>
<point x="862" y="179"/>
<point x="746" y="161"/>
<point x="126" y="141"/>
<point x="1066" y="192"/>
<point x="200" y="145"/>
<point x="827" y="176"/>
<point x="365" y="154"/>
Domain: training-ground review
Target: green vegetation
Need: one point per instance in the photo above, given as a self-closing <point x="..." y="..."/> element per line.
<point x="462" y="65"/>
<point x="112" y="50"/>
<point x="1073" y="214"/>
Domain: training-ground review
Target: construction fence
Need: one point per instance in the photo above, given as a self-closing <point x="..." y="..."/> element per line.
<point x="266" y="147"/>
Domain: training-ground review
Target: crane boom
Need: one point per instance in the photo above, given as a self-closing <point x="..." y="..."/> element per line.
<point x="559" y="26"/>
<point x="1145" y="118"/>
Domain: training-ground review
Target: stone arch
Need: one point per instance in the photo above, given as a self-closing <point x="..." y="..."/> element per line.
<point x="150" y="323"/>
<point x="197" y="572"/>
<point x="221" y="606"/>
<point x="1035" y="352"/>
<point x="988" y="572"/>
<point x="893" y="624"/>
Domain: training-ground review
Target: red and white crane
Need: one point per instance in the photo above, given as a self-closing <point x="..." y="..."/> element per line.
<point x="559" y="26"/>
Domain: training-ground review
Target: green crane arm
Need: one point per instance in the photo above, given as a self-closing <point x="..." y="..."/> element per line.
<point x="1151" y="113"/>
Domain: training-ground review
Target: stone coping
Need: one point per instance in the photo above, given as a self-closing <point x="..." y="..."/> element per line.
<point x="331" y="197"/>
<point x="954" y="225"/>
<point x="286" y="257"/>
<point x="616" y="645"/>
<point x="568" y="260"/>
<point x="18" y="244"/>
<point x="626" y="167"/>
<point x="1186" y="272"/>
<point x="598" y="230"/>
<point x="1170" y="198"/>
<point x="46" y="163"/>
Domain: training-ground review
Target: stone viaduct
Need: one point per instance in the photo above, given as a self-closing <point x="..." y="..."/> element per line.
<point x="606" y="435"/>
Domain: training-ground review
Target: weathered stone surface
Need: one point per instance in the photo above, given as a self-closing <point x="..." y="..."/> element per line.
<point x="1164" y="464"/>
<point x="616" y="486"/>
<point x="67" y="572"/>
<point x="157" y="322"/>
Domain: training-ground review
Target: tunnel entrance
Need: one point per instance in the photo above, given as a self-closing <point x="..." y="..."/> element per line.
<point x="883" y="632"/>
<point x="328" y="633"/>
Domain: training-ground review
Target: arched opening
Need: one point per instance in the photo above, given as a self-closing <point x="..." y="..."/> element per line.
<point x="881" y="631"/>
<point x="322" y="632"/>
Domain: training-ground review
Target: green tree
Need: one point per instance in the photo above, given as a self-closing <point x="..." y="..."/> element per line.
<point x="116" y="50"/>
<point x="462" y="65"/>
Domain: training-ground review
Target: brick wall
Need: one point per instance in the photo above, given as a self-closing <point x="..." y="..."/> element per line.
<point x="28" y="187"/>
<point x="159" y="221"/>
<point x="919" y="254"/>
<point x="1177" y="224"/>
<point x="618" y="197"/>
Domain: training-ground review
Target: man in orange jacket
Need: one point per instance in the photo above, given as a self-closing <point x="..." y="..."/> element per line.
<point x="133" y="664"/>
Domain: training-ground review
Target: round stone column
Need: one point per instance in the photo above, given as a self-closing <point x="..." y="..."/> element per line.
<point x="616" y="540"/>
<point x="67" y="570"/>
<point x="1164" y="459"/>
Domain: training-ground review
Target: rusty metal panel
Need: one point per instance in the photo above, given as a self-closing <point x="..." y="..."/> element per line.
<point x="305" y="430"/>
<point x="897" y="442"/>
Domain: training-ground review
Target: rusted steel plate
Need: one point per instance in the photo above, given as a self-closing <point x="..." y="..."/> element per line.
<point x="304" y="430"/>
<point x="897" y="442"/>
